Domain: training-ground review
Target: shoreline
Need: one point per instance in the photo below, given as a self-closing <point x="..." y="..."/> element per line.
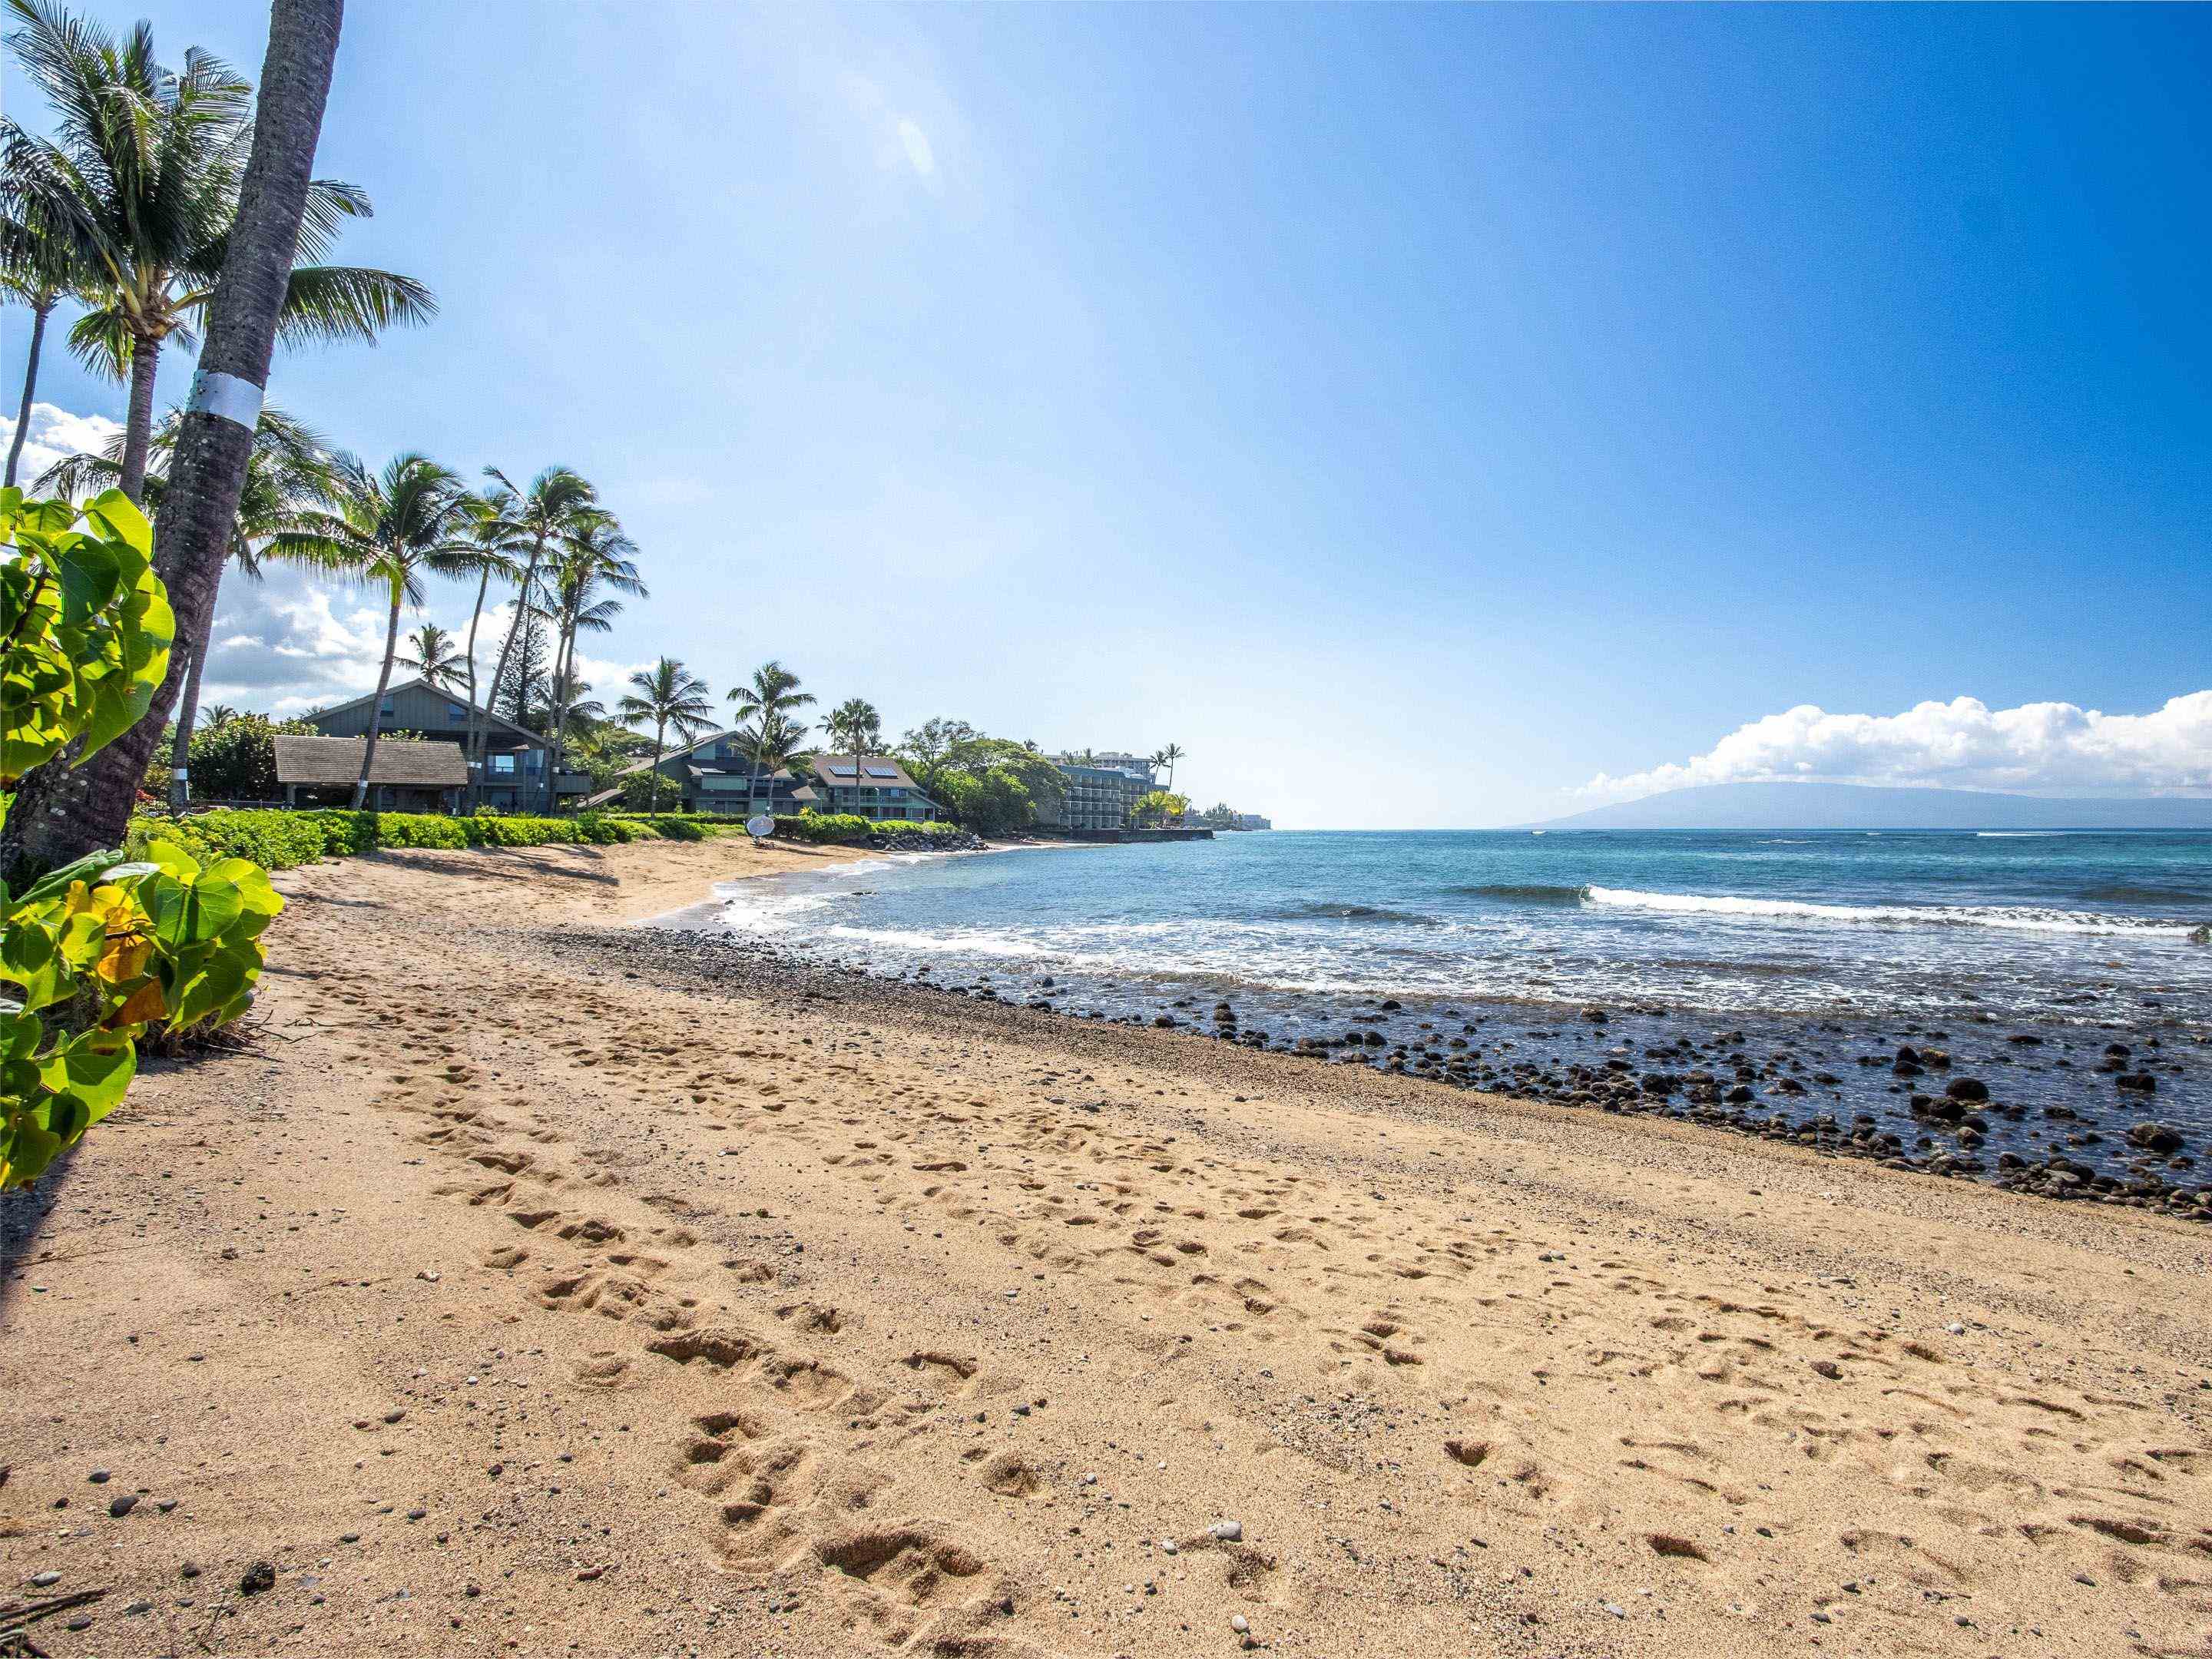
<point x="1808" y="1077"/>
<point x="606" y="1292"/>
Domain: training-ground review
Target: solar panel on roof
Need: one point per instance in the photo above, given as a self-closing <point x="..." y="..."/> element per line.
<point x="841" y="771"/>
<point x="882" y="772"/>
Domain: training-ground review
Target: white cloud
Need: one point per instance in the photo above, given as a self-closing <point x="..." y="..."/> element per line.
<point x="55" y="435"/>
<point x="915" y="142"/>
<point x="286" y="644"/>
<point x="901" y="143"/>
<point x="2038" y="748"/>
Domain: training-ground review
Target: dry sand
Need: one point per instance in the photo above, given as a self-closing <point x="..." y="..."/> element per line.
<point x="503" y="1301"/>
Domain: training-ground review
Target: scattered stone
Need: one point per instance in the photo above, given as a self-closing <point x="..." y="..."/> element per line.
<point x="123" y="1505"/>
<point x="1228" y="1531"/>
<point x="257" y="1579"/>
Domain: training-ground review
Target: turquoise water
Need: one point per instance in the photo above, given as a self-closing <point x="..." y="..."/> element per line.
<point x="1831" y="947"/>
<point x="1728" y="922"/>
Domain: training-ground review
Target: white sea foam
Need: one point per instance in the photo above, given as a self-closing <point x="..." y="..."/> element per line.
<point x="2026" y="919"/>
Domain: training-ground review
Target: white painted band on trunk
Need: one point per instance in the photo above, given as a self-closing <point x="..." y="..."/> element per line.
<point x="226" y="396"/>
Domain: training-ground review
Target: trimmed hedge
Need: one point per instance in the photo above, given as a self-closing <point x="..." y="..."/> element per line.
<point x="851" y="827"/>
<point x="278" y="839"/>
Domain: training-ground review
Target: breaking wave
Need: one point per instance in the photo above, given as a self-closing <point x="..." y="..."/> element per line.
<point x="2027" y="919"/>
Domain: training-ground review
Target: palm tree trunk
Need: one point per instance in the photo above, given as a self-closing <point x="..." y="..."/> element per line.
<point x="475" y="746"/>
<point x="376" y="707"/>
<point x="138" y="427"/>
<point x="188" y="709"/>
<point x="564" y="652"/>
<point x="499" y="671"/>
<point x="180" y="752"/>
<point x="659" y="734"/>
<point x="61" y="813"/>
<point x="39" y="315"/>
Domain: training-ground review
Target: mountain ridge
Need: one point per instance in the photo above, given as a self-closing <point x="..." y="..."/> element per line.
<point x="1875" y="806"/>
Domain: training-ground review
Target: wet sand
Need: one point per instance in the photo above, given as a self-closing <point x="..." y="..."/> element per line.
<point x="540" y="1284"/>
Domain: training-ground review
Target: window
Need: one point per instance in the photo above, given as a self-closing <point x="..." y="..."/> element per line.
<point x="455" y="712"/>
<point x="386" y="711"/>
<point x="504" y="764"/>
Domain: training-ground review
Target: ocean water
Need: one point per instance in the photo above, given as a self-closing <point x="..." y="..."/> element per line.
<point x="1862" y="936"/>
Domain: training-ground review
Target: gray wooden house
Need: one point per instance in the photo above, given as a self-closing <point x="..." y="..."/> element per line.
<point x="516" y="760"/>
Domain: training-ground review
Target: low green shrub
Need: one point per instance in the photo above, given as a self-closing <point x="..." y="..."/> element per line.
<point x="278" y="839"/>
<point x="824" y="827"/>
<point x="842" y="827"/>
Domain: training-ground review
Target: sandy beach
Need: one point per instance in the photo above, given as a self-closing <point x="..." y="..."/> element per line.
<point x="537" y="1283"/>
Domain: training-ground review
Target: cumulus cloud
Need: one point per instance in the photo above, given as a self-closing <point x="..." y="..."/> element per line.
<point x="287" y="645"/>
<point x="2039" y="748"/>
<point x="55" y="435"/>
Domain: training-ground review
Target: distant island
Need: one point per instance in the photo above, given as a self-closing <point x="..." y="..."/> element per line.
<point x="1867" y="806"/>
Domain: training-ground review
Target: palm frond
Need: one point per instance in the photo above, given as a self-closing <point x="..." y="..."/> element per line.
<point x="351" y="302"/>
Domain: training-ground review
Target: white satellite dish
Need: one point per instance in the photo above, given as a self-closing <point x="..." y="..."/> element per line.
<point x="760" y="826"/>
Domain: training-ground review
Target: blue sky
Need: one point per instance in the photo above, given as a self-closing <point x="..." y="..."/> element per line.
<point x="1417" y="414"/>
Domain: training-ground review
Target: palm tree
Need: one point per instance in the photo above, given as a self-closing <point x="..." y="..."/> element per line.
<point x="768" y="701"/>
<point x="853" y="724"/>
<point x="430" y="654"/>
<point x="491" y="553"/>
<point x="536" y="522"/>
<point x="287" y="469"/>
<point x="564" y="700"/>
<point x="596" y="557"/>
<point x="63" y="813"/>
<point x="1168" y="757"/>
<point x="667" y="694"/>
<point x="391" y="528"/>
<point x="775" y="742"/>
<point x="220" y="716"/>
<point x="144" y="174"/>
<point x="39" y="266"/>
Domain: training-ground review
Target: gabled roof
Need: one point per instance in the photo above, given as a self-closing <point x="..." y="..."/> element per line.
<point x="337" y="760"/>
<point x="877" y="771"/>
<point x="451" y="694"/>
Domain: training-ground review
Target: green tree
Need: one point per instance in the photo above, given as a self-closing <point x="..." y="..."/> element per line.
<point x="668" y="694"/>
<point x="144" y="174"/>
<point x="928" y="743"/>
<point x="1161" y="806"/>
<point x="585" y="575"/>
<point x="390" y="529"/>
<point x="491" y="554"/>
<point x="431" y="652"/>
<point x="531" y="526"/>
<point x="990" y="803"/>
<point x="854" y="724"/>
<point x="41" y="264"/>
<point x="58" y="818"/>
<point x="768" y="700"/>
<point x="773" y="743"/>
<point x="1168" y="757"/>
<point x="236" y="758"/>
